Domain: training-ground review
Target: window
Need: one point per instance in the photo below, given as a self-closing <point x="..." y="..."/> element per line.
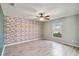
<point x="57" y="29"/>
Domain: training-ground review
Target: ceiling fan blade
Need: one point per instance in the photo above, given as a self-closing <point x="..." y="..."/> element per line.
<point x="47" y="16"/>
<point x="39" y="16"/>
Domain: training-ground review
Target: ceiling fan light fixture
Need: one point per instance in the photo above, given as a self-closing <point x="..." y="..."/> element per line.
<point x="41" y="19"/>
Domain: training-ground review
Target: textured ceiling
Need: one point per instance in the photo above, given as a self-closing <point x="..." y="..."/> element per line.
<point x="31" y="10"/>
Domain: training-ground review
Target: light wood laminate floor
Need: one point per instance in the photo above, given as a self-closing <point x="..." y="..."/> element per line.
<point x="41" y="48"/>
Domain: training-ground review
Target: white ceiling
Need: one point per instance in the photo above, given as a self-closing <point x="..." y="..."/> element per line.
<point x="31" y="10"/>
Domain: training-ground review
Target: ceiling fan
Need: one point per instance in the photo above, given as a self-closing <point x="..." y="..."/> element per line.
<point x="43" y="17"/>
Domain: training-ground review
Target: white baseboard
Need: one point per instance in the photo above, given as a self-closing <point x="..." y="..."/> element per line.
<point x="20" y="42"/>
<point x="65" y="43"/>
<point x="3" y="51"/>
<point x="16" y="44"/>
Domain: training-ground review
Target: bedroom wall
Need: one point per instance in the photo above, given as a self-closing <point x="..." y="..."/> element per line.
<point x="20" y="29"/>
<point x="70" y="30"/>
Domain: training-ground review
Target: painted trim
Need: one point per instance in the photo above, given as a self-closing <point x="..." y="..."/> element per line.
<point x="64" y="42"/>
<point x="20" y="42"/>
<point x="3" y="51"/>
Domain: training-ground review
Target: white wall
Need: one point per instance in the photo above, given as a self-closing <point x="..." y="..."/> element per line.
<point x="47" y="30"/>
<point x="70" y="30"/>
